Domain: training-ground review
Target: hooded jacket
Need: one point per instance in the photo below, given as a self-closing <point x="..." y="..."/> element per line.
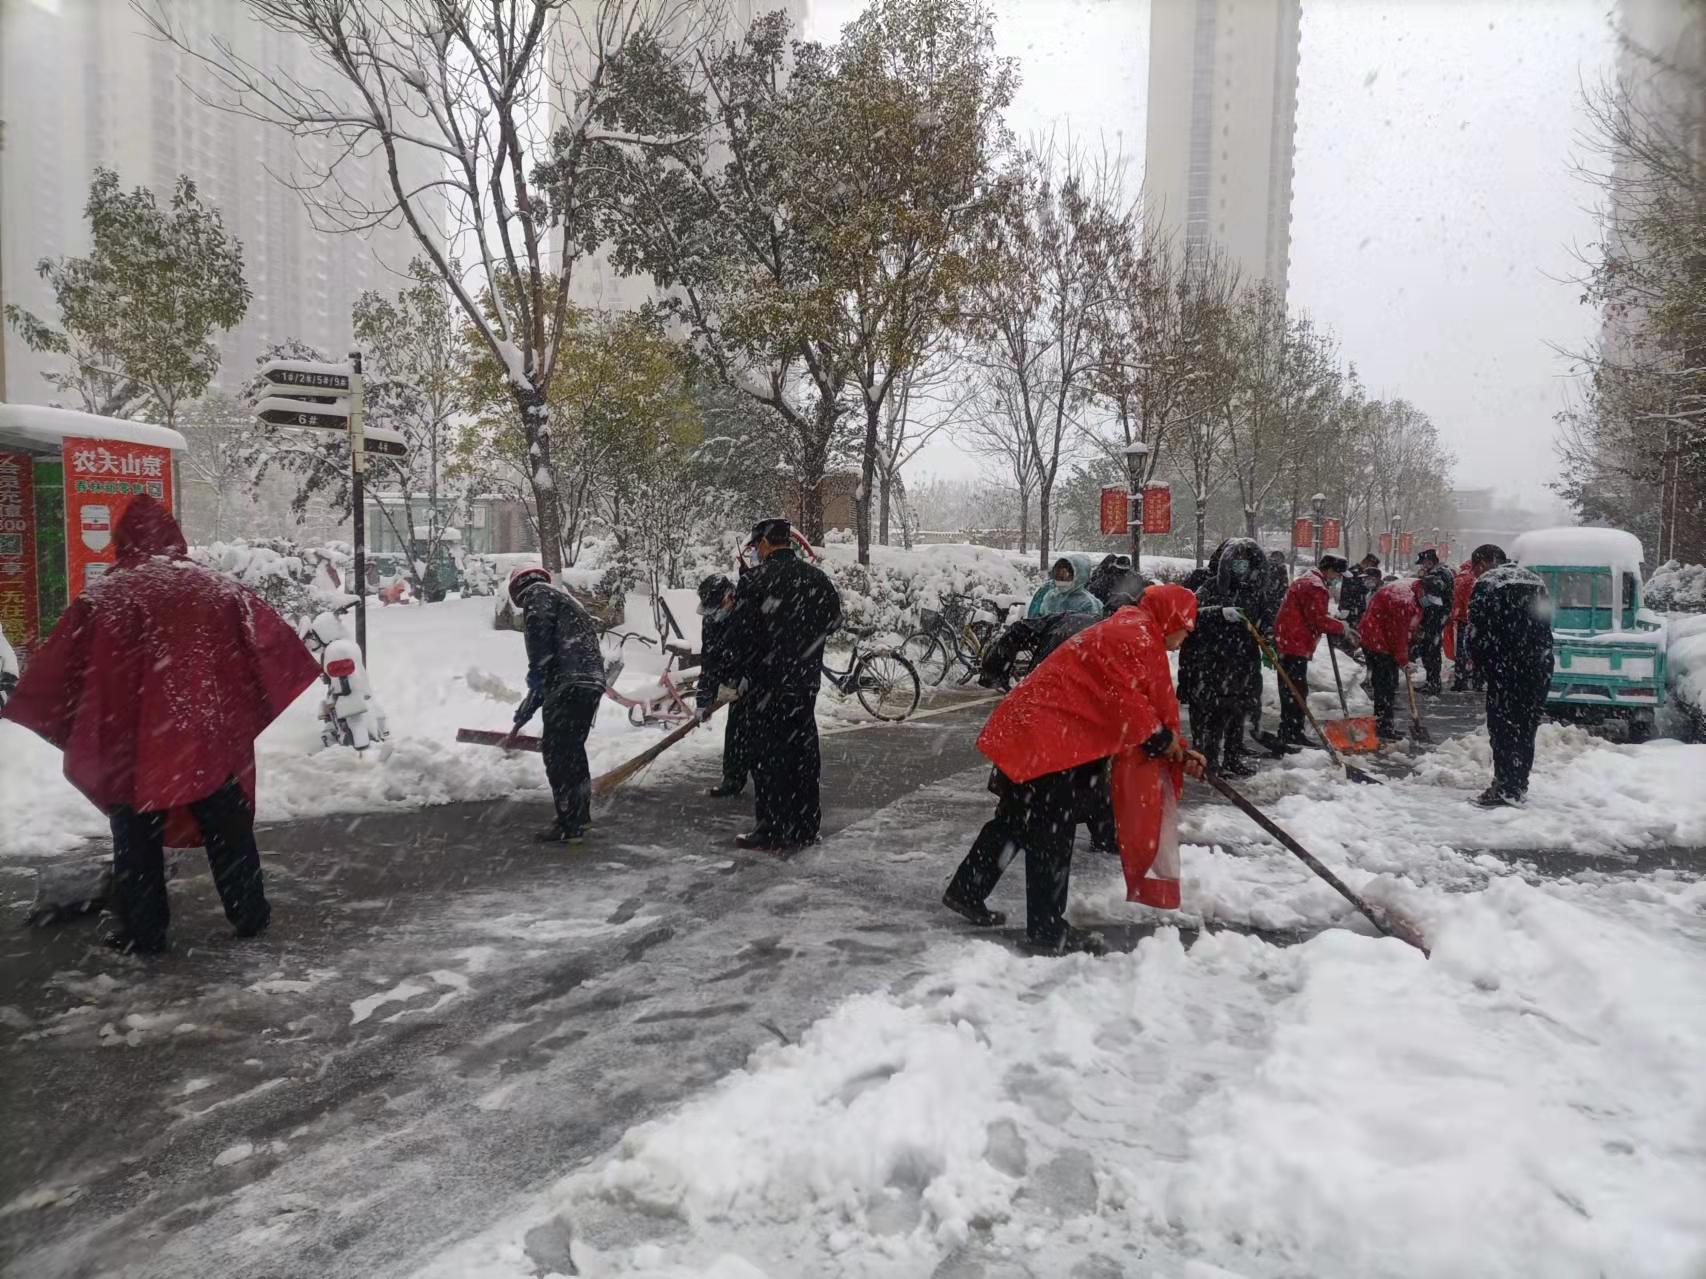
<point x="1076" y="598"/>
<point x="1108" y="692"/>
<point x="1221" y="660"/>
<point x="159" y="677"/>
<point x="1510" y="632"/>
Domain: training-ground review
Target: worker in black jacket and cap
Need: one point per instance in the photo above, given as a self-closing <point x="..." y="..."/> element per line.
<point x="565" y="679"/>
<point x="1510" y="636"/>
<point x="784" y="611"/>
<point x="716" y="602"/>
<point x="1435" y="591"/>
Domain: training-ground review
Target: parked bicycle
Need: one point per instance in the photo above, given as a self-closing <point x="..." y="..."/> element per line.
<point x="885" y="683"/>
<point x="670" y="700"/>
<point x="954" y="637"/>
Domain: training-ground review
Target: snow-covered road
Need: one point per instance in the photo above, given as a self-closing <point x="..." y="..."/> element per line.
<point x="663" y="1058"/>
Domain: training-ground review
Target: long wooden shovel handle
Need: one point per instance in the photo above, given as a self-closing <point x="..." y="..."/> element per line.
<point x="1339" y="684"/>
<point x="1351" y="770"/>
<point x="1388" y="924"/>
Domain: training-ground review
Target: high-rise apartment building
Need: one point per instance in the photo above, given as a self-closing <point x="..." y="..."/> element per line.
<point x="1221" y="128"/>
<point x="84" y="86"/>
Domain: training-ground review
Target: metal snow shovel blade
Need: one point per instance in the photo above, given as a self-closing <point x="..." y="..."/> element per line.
<point x="1351" y="735"/>
<point x="1388" y="921"/>
<point x="1418" y="730"/>
<point x="503" y="741"/>
<point x="1351" y="770"/>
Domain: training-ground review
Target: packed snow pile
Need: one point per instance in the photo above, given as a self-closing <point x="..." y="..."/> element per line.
<point x="1612" y="548"/>
<point x="1677" y="588"/>
<point x="1686" y="666"/>
<point x="1525" y="1103"/>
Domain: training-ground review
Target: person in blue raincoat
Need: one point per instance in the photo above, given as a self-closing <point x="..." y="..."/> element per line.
<point x="1067" y="590"/>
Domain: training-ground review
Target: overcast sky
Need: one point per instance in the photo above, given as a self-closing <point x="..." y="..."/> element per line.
<point x="1434" y="208"/>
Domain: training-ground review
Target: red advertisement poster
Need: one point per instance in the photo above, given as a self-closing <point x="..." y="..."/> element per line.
<point x="1303" y="532"/>
<point x="101" y="478"/>
<point x="19" y="604"/>
<point x="1330" y="530"/>
<point x="1406" y="546"/>
<point x="1116" y="509"/>
<point x="1157" y="508"/>
<point x="1385" y="547"/>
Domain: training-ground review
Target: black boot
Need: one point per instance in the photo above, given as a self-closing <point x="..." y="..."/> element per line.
<point x="973" y="912"/>
<point x="1072" y="941"/>
<point x="725" y="789"/>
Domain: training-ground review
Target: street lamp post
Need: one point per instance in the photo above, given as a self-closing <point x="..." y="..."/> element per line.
<point x="1319" y="502"/>
<point x="1136" y="457"/>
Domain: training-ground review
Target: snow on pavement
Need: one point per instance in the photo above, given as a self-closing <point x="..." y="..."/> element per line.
<point x="1528" y="1102"/>
<point x="435" y="669"/>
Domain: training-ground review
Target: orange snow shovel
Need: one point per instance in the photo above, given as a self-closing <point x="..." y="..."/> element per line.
<point x="1351" y="770"/>
<point x="1352" y="735"/>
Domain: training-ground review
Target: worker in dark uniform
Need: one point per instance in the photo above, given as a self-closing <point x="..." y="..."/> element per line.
<point x="784" y="611"/>
<point x="565" y="679"/>
<point x="1220" y="665"/>
<point x="1510" y="635"/>
<point x="1434" y="590"/>
<point x="1355" y="590"/>
<point x="716" y="602"/>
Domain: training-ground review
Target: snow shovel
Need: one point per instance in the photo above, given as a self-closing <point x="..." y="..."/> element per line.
<point x="1353" y="734"/>
<point x="514" y="740"/>
<point x="1389" y="922"/>
<point x="1418" y="730"/>
<point x="1351" y="770"/>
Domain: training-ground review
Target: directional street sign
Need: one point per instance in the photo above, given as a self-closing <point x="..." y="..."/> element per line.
<point x="376" y="439"/>
<point x="309" y="374"/>
<point x="278" y="410"/>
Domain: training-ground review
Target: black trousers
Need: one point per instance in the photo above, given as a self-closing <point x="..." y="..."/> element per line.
<point x="1430" y="647"/>
<point x="1383" y="690"/>
<point x="736" y="765"/>
<point x="1217" y="729"/>
<point x="139" y="866"/>
<point x="1291" y="714"/>
<point x="783" y="752"/>
<point x="1514" y="713"/>
<point x="1036" y="818"/>
<point x="568" y="716"/>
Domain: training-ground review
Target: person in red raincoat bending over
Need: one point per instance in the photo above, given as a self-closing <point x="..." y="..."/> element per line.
<point x="1103" y="698"/>
<point x="155" y="684"/>
<point x="1304" y="617"/>
<point x="1389" y="624"/>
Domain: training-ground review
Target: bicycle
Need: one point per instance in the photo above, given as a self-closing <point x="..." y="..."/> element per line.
<point x="669" y="701"/>
<point x="885" y="683"/>
<point x="956" y="634"/>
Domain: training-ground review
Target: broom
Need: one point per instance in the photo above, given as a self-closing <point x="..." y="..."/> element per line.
<point x="607" y="782"/>
<point x="1388" y="921"/>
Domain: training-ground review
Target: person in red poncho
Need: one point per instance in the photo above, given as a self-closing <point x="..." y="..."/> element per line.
<point x="155" y="684"/>
<point x="1104" y="697"/>
<point x="1389" y="626"/>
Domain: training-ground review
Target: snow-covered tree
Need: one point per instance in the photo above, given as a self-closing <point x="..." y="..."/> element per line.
<point x="137" y="316"/>
<point x="485" y="118"/>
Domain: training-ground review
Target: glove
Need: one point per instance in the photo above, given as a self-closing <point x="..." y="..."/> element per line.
<point x="1232" y="615"/>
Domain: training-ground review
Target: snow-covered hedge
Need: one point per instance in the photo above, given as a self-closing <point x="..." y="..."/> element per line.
<point x="1677" y="588"/>
<point x="294" y="579"/>
<point x="1686" y="662"/>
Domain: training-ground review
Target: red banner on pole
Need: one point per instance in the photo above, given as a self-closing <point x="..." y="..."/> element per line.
<point x="1303" y="532"/>
<point x="101" y="479"/>
<point x="1157" y="508"/>
<point x="1445" y="552"/>
<point x="1385" y="547"/>
<point x="1116" y="509"/>
<point x="1330" y="530"/>
<point x="1406" y="546"/>
<point x="20" y="606"/>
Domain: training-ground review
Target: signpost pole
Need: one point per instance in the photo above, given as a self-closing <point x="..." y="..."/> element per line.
<point x="358" y="503"/>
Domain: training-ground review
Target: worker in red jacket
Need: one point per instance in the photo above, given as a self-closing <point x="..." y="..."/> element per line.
<point x="1388" y="626"/>
<point x="1104" y="698"/>
<point x="1304" y="617"/>
<point x="1464" y="676"/>
<point x="155" y="684"/>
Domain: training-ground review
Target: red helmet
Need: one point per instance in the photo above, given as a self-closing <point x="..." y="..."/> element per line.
<point x="523" y="576"/>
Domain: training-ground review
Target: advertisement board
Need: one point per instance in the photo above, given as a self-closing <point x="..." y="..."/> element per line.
<point x="102" y="477"/>
<point x="20" y="615"/>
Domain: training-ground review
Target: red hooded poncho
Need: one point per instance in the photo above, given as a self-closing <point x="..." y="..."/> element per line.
<point x="1103" y="693"/>
<point x="1390" y="621"/>
<point x="1462" y="587"/>
<point x="159" y="677"/>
